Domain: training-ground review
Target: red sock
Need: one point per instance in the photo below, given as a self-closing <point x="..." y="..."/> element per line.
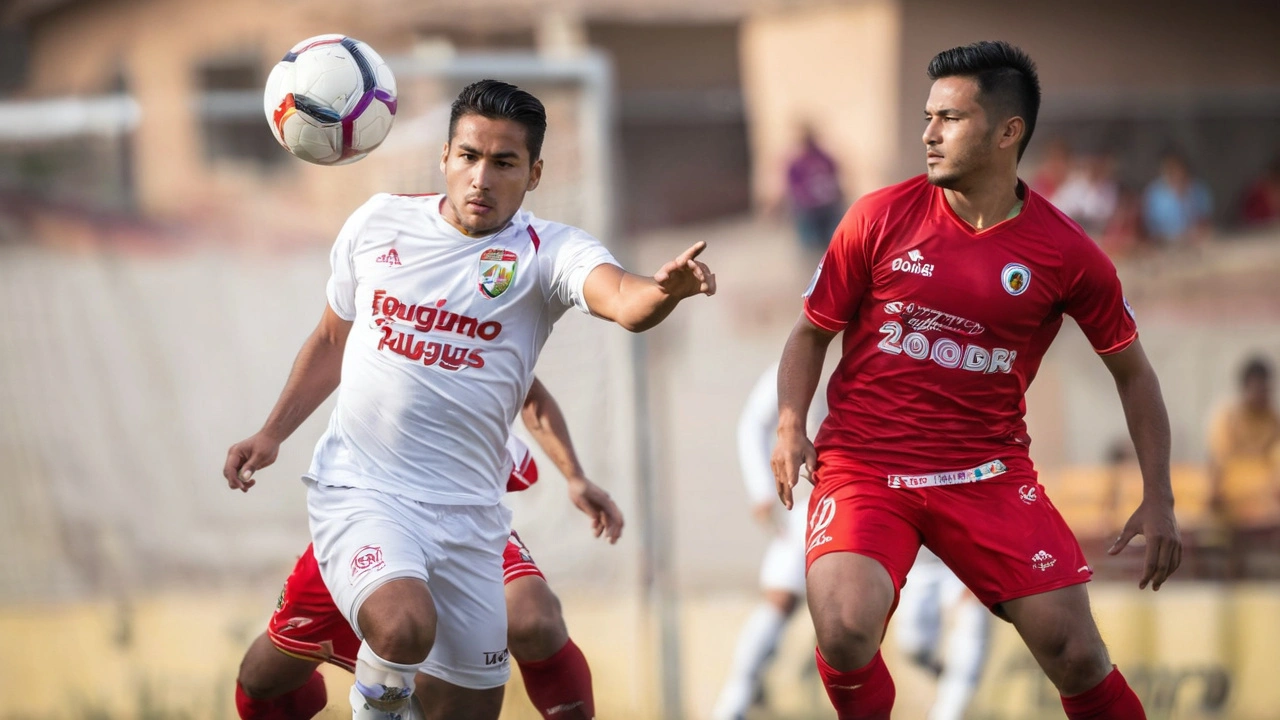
<point x="1111" y="699"/>
<point x="301" y="704"/>
<point x="863" y="694"/>
<point x="560" y="686"/>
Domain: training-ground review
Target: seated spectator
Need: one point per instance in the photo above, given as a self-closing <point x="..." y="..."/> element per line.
<point x="1089" y="193"/>
<point x="1123" y="232"/>
<point x="1261" y="203"/>
<point x="1177" y="206"/>
<point x="1244" y="444"/>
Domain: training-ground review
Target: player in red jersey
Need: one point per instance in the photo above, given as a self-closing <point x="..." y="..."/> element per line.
<point x="949" y="288"/>
<point x="278" y="678"/>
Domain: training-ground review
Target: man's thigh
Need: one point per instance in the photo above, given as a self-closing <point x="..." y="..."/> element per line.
<point x="1004" y="540"/>
<point x="470" y="649"/>
<point x="363" y="539"/>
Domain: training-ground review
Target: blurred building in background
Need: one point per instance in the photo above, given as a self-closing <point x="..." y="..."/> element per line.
<point x="163" y="259"/>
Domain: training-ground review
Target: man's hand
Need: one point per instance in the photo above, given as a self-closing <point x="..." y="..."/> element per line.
<point x="1154" y="521"/>
<point x="685" y="277"/>
<point x="763" y="514"/>
<point x="591" y="499"/>
<point x="247" y="457"/>
<point x="792" y="452"/>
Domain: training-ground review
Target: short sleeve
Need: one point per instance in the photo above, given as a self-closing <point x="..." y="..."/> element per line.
<point x="832" y="298"/>
<point x="341" y="288"/>
<point x="574" y="259"/>
<point x="1096" y="301"/>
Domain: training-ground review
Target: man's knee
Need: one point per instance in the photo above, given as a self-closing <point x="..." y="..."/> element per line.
<point x="398" y="621"/>
<point x="1073" y="663"/>
<point x="849" y="599"/>
<point x="535" y="622"/>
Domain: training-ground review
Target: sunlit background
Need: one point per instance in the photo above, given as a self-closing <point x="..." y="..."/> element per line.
<point x="162" y="259"/>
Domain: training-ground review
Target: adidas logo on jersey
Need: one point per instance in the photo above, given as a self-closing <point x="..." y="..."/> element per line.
<point x="913" y="263"/>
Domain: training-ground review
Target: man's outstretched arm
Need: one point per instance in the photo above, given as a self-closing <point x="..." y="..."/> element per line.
<point x="637" y="303"/>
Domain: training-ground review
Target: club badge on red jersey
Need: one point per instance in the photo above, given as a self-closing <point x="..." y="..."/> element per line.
<point x="1015" y="278"/>
<point x="497" y="271"/>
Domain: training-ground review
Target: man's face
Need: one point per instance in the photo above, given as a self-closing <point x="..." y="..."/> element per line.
<point x="1257" y="392"/>
<point x="486" y="172"/>
<point x="958" y="137"/>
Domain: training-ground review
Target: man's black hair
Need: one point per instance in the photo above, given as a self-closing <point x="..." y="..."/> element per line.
<point x="1006" y="76"/>
<point x="498" y="100"/>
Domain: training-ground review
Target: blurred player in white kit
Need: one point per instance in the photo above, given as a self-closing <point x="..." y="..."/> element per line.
<point x="438" y="307"/>
<point x="931" y="590"/>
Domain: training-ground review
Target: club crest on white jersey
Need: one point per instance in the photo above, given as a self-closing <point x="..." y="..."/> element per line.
<point x="497" y="271"/>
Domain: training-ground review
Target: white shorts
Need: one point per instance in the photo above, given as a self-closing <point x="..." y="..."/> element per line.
<point x="783" y="566"/>
<point x="363" y="538"/>
<point x="930" y="589"/>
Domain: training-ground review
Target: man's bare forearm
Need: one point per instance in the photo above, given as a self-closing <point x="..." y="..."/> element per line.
<point x="315" y="375"/>
<point x="798" y="374"/>
<point x="545" y="422"/>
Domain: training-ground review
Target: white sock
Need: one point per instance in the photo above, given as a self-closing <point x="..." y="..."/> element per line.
<point x="966" y="653"/>
<point x="383" y="690"/>
<point x="756" y="645"/>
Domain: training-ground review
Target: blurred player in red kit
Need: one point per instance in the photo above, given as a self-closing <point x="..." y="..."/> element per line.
<point x="278" y="678"/>
<point x="948" y="289"/>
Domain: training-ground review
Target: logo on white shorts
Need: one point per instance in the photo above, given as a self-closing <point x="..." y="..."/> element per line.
<point x="1042" y="561"/>
<point x="496" y="658"/>
<point x="818" y="523"/>
<point x="1027" y="493"/>
<point x="366" y="559"/>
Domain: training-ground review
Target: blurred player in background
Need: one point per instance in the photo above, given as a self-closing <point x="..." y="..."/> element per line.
<point x="782" y="572"/>
<point x="931" y="596"/>
<point x="278" y="678"/>
<point x="438" y="307"/>
<point x="948" y="289"/>
<point x="930" y="591"/>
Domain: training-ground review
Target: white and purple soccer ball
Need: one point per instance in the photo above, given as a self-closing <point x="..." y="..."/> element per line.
<point x="331" y="100"/>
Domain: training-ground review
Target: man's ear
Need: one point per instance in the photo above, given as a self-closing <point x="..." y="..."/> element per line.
<point x="535" y="175"/>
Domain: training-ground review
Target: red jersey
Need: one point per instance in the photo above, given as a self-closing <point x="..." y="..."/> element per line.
<point x="945" y="326"/>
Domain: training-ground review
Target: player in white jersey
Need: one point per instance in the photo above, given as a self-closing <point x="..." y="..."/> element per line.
<point x="438" y="307"/>
<point x="930" y="590"/>
<point x="931" y="594"/>
<point x="782" y="571"/>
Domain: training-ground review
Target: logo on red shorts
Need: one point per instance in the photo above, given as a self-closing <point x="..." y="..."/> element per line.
<point x="366" y="559"/>
<point x="1027" y="493"/>
<point x="1042" y="561"/>
<point x="819" y="521"/>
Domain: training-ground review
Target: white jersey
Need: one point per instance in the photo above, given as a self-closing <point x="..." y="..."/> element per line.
<point x="758" y="432"/>
<point x="446" y="331"/>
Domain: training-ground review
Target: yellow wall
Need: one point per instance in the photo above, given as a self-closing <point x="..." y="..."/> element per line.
<point x="184" y="650"/>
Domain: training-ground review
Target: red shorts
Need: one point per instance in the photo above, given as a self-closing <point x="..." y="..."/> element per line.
<point x="1001" y="536"/>
<point x="306" y="624"/>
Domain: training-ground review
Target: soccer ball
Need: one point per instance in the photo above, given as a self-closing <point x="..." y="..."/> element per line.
<point x="331" y="100"/>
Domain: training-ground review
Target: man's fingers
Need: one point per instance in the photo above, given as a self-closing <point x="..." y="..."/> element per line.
<point x="1122" y="541"/>
<point x="231" y="468"/>
<point x="694" y="251"/>
<point x="1150" y="564"/>
<point x="1163" y="564"/>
